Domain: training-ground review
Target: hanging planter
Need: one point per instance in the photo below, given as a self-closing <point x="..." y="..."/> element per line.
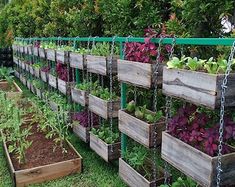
<point x="81" y="132"/>
<point x="64" y="86"/>
<point x="140" y="130"/>
<point x="80" y="96"/>
<point x="35" y="51"/>
<point x="195" y="163"/>
<point x="50" y="54"/>
<point x="38" y="92"/>
<point x="133" y="178"/>
<point x="29" y="50"/>
<point x="103" y="149"/>
<point x="138" y="73"/>
<point x="21" y="49"/>
<point x="44" y="76"/>
<point x="101" y="64"/>
<point x="17" y="74"/>
<point x="102" y="107"/>
<point x="15" y="60"/>
<point x="28" y="84"/>
<point x="37" y="72"/>
<point x="31" y="70"/>
<point x="62" y="56"/>
<point x="23" y="79"/>
<point x="77" y="61"/>
<point x="42" y="52"/>
<point x="52" y="80"/>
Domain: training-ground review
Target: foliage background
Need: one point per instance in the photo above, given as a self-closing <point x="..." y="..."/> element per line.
<point x="43" y="18"/>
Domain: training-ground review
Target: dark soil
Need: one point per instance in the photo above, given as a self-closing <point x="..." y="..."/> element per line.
<point x="7" y="88"/>
<point x="41" y="152"/>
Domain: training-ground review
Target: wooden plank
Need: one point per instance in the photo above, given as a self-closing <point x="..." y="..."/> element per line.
<point x="42" y="53"/>
<point x="82" y="132"/>
<point x="15" y="60"/>
<point x="37" y="72"/>
<point x="62" y="56"/>
<point x="139" y="130"/>
<point x="52" y="80"/>
<point x="133" y="179"/>
<point x="21" y="49"/>
<point x="100" y="64"/>
<point x="31" y="70"/>
<point x="44" y="76"/>
<point x="35" y="51"/>
<point x="102" y="107"/>
<point x="50" y="54"/>
<point x="77" y="61"/>
<point x="62" y="86"/>
<point x="22" y="65"/>
<point x="28" y="85"/>
<point x="29" y="50"/>
<point x="103" y="149"/>
<point x="197" y="87"/>
<point x="187" y="159"/>
<point x="26" y="67"/>
<point x="80" y="96"/>
<point x="38" y="92"/>
<point x="53" y="106"/>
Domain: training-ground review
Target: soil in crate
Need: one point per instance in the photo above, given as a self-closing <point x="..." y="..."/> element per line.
<point x="41" y="152"/>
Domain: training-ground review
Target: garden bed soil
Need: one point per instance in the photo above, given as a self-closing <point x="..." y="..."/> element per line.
<point x="4" y="86"/>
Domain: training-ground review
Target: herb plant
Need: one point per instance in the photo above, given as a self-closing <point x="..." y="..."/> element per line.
<point x="187" y="182"/>
<point x="103" y="93"/>
<point x="103" y="49"/>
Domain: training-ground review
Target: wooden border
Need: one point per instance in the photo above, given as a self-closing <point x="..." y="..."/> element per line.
<point x="195" y="163"/>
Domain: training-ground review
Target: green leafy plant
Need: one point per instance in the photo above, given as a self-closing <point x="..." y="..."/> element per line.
<point x="187" y="182"/>
<point x="104" y="93"/>
<point x="103" y="49"/>
<point x="86" y="86"/>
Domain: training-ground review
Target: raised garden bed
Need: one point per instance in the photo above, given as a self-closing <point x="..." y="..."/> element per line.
<point x="138" y="73"/>
<point x="80" y="96"/>
<point x="197" y="164"/>
<point x="103" y="149"/>
<point x="12" y="91"/>
<point x="100" y="64"/>
<point x="77" y="61"/>
<point x="140" y="130"/>
<point x="102" y="107"/>
<point x="198" y="87"/>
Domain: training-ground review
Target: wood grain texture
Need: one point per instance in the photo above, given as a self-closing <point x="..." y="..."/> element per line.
<point x="31" y="70"/>
<point x="77" y="61"/>
<point x="81" y="132"/>
<point x="62" y="86"/>
<point x="102" y="107"/>
<point x="137" y="73"/>
<point x="139" y="130"/>
<point x="44" y="76"/>
<point x="38" y="93"/>
<point x="196" y="164"/>
<point x="35" y="51"/>
<point x="100" y="64"/>
<point x="133" y="179"/>
<point x="50" y="54"/>
<point x="62" y="56"/>
<point x="198" y="87"/>
<point x="44" y="173"/>
<point x="103" y="149"/>
<point x="52" y="80"/>
<point x="37" y="72"/>
<point x="42" y="52"/>
<point x="80" y="96"/>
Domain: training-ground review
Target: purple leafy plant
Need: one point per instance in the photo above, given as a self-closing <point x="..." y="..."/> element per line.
<point x="82" y="117"/>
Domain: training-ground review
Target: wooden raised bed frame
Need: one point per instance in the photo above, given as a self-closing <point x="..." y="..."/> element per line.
<point x="103" y="149"/>
<point x="77" y="61"/>
<point x="196" y="164"/>
<point x="100" y="64"/>
<point x="198" y="87"/>
<point x="102" y="107"/>
<point x="80" y="96"/>
<point x="44" y="173"/>
<point x="140" y="130"/>
<point x="13" y="95"/>
<point x="138" y="73"/>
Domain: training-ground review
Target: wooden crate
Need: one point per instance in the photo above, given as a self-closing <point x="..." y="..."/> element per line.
<point x="198" y="87"/>
<point x="50" y="54"/>
<point x="14" y="94"/>
<point x="15" y="60"/>
<point x="26" y="67"/>
<point x="77" y="61"/>
<point x="37" y="72"/>
<point x="21" y="49"/>
<point x="14" y="47"/>
<point x="81" y="132"/>
<point x="31" y="70"/>
<point x="102" y="107"/>
<point x="23" y="65"/>
<point x="35" y="51"/>
<point x="17" y="74"/>
<point x="42" y="52"/>
<point x="23" y="80"/>
<point x="139" y="130"/>
<point x="44" y="76"/>
<point x="44" y="173"/>
<point x="28" y="84"/>
<point x="137" y="73"/>
<point x="133" y="179"/>
<point x="100" y="64"/>
<point x="38" y="93"/>
<point x="103" y="149"/>
<point x="196" y="164"/>
<point x="62" y="56"/>
<point x="80" y="96"/>
<point x="29" y="49"/>
<point x="62" y="86"/>
<point x="52" y="80"/>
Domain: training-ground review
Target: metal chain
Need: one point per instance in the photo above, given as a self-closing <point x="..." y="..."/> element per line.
<point x="124" y="48"/>
<point x="222" y="103"/>
<point x="93" y="42"/>
<point x="111" y="88"/>
<point x="92" y="120"/>
<point x="168" y="114"/>
<point x="155" y="78"/>
<point x="135" y="94"/>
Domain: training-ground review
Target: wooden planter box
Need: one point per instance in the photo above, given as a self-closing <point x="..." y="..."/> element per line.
<point x="38" y="93"/>
<point x="21" y="49"/>
<point x="82" y="132"/>
<point x="134" y="179"/>
<point x="23" y="65"/>
<point x="80" y="96"/>
<point x="64" y="86"/>
<point x="52" y="80"/>
<point x="192" y="162"/>
<point x="50" y="54"/>
<point x="29" y="50"/>
<point x="15" y="60"/>
<point x="12" y="94"/>
<point x="198" y="87"/>
<point x="77" y="61"/>
<point x="100" y="64"/>
<point x="42" y="53"/>
<point x="31" y="70"/>
<point x="26" y="67"/>
<point x="23" y="80"/>
<point x="44" y="173"/>
<point x="35" y="51"/>
<point x="137" y="73"/>
<point x="29" y="85"/>
<point x="16" y="73"/>
<point x="32" y="88"/>
<point x="62" y="56"/>
<point x="37" y="72"/>
<point x="102" y="107"/>
<point x="103" y="149"/>
<point x="139" y="130"/>
<point x="20" y="63"/>
<point x="44" y="76"/>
